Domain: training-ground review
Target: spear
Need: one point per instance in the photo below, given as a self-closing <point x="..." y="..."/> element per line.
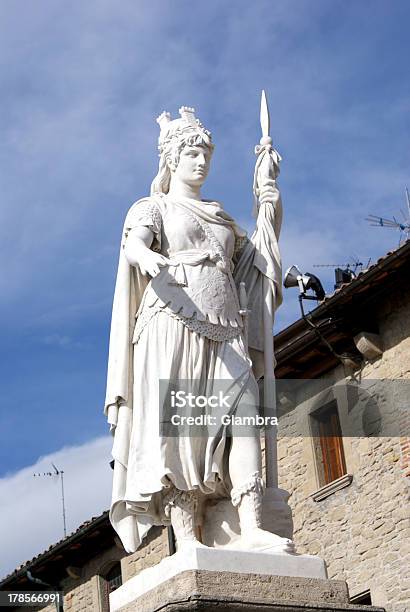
<point x="266" y="170"/>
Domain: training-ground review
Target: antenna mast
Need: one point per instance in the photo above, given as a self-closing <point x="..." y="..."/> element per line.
<point x="60" y="474"/>
<point x="403" y="227"/>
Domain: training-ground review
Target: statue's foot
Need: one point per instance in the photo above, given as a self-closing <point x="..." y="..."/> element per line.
<point x="260" y="540"/>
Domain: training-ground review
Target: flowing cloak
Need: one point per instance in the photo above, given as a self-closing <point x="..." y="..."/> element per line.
<point x="261" y="258"/>
<point x="258" y="258"/>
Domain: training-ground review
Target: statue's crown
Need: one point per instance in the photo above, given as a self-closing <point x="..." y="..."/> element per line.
<point x="172" y="129"/>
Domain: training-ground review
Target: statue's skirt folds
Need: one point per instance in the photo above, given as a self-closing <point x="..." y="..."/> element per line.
<point x="168" y="350"/>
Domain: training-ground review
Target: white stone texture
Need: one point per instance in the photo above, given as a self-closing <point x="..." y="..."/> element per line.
<point x="178" y="256"/>
<point x="369" y="345"/>
<point x="220" y="527"/>
<point x="209" y="559"/>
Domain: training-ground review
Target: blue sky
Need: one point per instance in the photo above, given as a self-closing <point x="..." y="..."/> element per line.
<point x="81" y="87"/>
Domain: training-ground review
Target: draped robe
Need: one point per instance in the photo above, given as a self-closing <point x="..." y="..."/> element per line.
<point x="145" y="465"/>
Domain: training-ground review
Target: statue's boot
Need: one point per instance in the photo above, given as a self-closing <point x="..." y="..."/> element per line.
<point x="248" y="499"/>
<point x="181" y="509"/>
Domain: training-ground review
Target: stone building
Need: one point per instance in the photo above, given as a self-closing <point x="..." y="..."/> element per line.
<point x="345" y="457"/>
<point x="87" y="565"/>
<point x="346" y="462"/>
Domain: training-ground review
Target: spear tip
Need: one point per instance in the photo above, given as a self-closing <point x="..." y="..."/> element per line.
<point x="264" y="117"/>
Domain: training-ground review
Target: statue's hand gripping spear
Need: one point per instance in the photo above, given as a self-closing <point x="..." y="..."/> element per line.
<point x="267" y="163"/>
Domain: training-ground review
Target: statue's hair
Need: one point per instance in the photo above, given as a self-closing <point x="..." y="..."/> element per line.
<point x="170" y="152"/>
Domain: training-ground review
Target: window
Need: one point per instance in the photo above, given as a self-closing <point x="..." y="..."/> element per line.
<point x="113" y="577"/>
<point x="111" y="580"/>
<point x="328" y="443"/>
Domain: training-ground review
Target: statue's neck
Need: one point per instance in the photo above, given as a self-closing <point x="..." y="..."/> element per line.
<point x="179" y="189"/>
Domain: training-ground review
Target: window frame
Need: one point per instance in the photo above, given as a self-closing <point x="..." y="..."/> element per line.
<point x="328" y="469"/>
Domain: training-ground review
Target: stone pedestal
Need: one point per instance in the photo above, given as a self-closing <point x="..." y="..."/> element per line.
<point x="209" y="579"/>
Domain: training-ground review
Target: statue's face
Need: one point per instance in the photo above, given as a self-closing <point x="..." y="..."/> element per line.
<point x="193" y="165"/>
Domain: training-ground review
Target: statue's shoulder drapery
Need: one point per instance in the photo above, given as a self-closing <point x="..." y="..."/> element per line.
<point x="129" y="290"/>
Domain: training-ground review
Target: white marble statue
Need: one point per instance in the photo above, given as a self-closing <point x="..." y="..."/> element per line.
<point x="177" y="315"/>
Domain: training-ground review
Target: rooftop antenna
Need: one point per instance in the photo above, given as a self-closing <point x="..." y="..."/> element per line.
<point x="344" y="273"/>
<point x="404" y="227"/>
<point x="352" y="266"/>
<point x="59" y="474"/>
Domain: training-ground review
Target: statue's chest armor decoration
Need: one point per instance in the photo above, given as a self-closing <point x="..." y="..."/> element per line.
<point x="199" y="281"/>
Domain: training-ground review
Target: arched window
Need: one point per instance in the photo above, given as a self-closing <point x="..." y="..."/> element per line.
<point x="111" y="580"/>
<point x="113" y="577"/>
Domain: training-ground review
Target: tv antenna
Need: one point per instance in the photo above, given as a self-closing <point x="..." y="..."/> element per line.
<point x="402" y="226"/>
<point x="346" y="272"/>
<point x="59" y="474"/>
<point x="353" y="265"/>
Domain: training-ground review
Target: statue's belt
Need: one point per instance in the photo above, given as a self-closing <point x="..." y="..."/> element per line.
<point x="194" y="257"/>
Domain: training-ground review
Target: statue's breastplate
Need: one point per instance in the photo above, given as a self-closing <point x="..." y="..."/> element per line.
<point x="199" y="280"/>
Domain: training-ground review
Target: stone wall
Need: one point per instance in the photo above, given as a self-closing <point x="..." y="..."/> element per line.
<point x="363" y="529"/>
<point x="154" y="550"/>
<point x="88" y="592"/>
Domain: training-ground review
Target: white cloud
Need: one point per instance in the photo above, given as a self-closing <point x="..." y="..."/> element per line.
<point x="31" y="508"/>
<point x="58" y="340"/>
<point x="64" y="342"/>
